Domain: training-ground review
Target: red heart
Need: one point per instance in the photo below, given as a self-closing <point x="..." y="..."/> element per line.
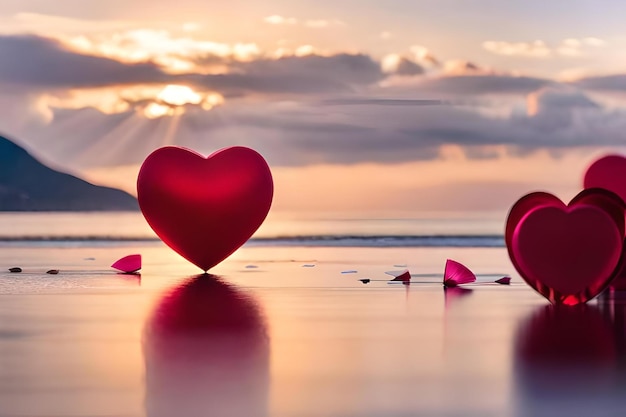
<point x="608" y="172"/>
<point x="522" y="207"/>
<point x="205" y="208"/>
<point x="605" y="199"/>
<point x="569" y="254"/>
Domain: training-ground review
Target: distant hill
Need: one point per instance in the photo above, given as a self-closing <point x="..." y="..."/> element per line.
<point x="28" y="185"/>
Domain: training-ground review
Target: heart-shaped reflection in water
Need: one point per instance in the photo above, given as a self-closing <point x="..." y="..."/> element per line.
<point x="566" y="363"/>
<point x="207" y="353"/>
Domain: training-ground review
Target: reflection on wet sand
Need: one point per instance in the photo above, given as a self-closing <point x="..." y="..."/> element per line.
<point x="451" y="294"/>
<point x="567" y="363"/>
<point x="207" y="353"/>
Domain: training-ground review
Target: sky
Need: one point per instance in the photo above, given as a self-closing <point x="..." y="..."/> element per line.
<point x="359" y="107"/>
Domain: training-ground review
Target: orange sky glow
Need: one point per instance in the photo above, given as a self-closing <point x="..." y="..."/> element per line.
<point x="375" y="109"/>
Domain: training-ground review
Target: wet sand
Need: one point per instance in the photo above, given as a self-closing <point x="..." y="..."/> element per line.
<point x="282" y="332"/>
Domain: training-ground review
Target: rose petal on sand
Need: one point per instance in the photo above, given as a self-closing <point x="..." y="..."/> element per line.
<point x="405" y="277"/>
<point x="504" y="280"/>
<point x="455" y="273"/>
<point x="128" y="264"/>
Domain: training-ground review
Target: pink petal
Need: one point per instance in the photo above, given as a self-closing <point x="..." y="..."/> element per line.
<point x="504" y="280"/>
<point x="450" y="283"/>
<point x="128" y="264"/>
<point x="404" y="277"/>
<point x="456" y="273"/>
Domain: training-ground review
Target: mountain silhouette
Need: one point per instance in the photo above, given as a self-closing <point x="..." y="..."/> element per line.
<point x="28" y="185"/>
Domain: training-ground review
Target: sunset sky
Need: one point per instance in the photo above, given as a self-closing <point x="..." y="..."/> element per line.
<point x="358" y="106"/>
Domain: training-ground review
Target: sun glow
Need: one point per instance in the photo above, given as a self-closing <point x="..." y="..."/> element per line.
<point x="179" y="95"/>
<point x="150" y="101"/>
<point x="173" y="99"/>
<point x="156" y="110"/>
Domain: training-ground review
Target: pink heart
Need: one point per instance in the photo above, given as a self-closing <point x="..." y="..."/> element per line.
<point x="608" y="172"/>
<point x="205" y="208"/>
<point x="569" y="254"/>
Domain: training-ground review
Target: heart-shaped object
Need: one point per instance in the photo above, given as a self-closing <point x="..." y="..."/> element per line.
<point x="569" y="254"/>
<point x="205" y="208"/>
<point x="608" y="172"/>
<point x="522" y="207"/>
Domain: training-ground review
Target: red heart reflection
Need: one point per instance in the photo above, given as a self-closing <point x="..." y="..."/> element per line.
<point x="207" y="353"/>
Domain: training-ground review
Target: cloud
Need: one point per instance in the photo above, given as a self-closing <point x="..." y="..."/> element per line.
<point x="400" y="65"/>
<point x="310" y="74"/>
<point x="177" y="54"/>
<point x="44" y="63"/>
<point x="461" y="67"/>
<point x="301" y="110"/>
<point x="591" y="41"/>
<point x="47" y="64"/>
<point x="280" y="20"/>
<point x="535" y="49"/>
<point x="424" y="56"/>
<point x="41" y="62"/>
<point x="607" y="83"/>
<point x="558" y="98"/>
<point x="300" y="134"/>
<point x="570" y="47"/>
<point x="467" y="85"/>
<point x="310" y="23"/>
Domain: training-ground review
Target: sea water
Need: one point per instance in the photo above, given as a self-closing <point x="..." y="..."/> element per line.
<point x="285" y="340"/>
<point x="443" y="229"/>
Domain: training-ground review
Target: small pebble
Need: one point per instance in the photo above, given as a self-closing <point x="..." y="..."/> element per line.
<point x="52" y="272"/>
<point x="16" y="269"/>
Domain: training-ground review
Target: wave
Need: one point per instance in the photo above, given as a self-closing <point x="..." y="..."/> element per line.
<point x="426" y="241"/>
<point x="432" y="241"/>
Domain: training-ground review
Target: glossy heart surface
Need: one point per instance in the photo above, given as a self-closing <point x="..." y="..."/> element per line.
<point x="608" y="172"/>
<point x="205" y="208"/>
<point x="569" y="254"/>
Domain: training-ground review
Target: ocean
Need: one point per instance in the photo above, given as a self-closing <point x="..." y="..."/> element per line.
<point x="285" y="327"/>
<point x="443" y="229"/>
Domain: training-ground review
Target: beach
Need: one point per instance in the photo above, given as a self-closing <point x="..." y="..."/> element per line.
<point x="289" y="330"/>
